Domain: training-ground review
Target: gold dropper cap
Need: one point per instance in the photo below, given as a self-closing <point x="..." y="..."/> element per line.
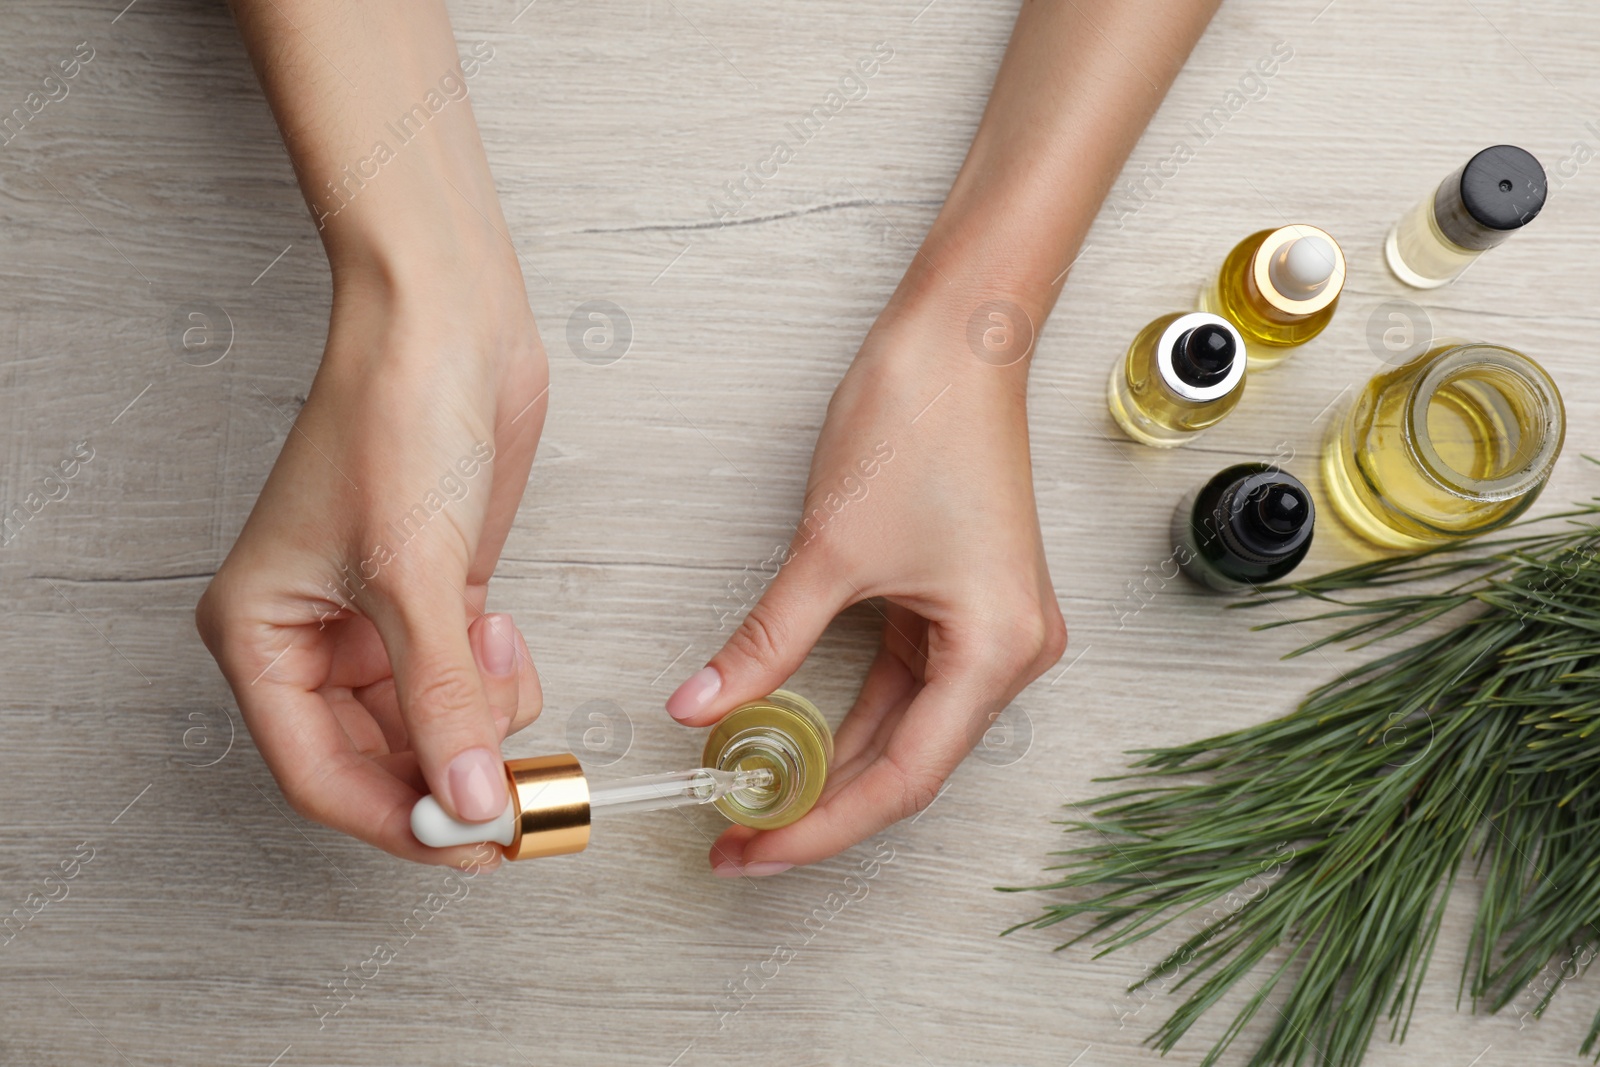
<point x="551" y="798"/>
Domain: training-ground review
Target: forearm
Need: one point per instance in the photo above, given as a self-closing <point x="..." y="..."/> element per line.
<point x="1079" y="82"/>
<point x="371" y="97"/>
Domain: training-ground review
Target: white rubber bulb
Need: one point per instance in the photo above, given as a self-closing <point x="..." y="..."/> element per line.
<point x="1303" y="267"/>
<point x="436" y="829"/>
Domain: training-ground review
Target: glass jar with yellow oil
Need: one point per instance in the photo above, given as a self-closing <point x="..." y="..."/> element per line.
<point x="1454" y="443"/>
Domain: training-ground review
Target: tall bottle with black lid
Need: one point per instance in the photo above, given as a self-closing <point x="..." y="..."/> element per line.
<point x="1484" y="201"/>
<point x="1249" y="525"/>
<point x="1183" y="373"/>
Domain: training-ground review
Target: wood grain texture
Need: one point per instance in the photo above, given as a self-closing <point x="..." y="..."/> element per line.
<point x="208" y="923"/>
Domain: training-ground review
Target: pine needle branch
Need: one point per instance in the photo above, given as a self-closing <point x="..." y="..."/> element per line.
<point x="1334" y="836"/>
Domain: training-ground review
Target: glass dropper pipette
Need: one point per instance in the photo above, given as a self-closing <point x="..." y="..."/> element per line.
<point x="675" y="789"/>
<point x="647" y="792"/>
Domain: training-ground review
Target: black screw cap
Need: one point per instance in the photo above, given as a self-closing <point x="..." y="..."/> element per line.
<point x="1275" y="513"/>
<point x="1204" y="355"/>
<point x="1503" y="187"/>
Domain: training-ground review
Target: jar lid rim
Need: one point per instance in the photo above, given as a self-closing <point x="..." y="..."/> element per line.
<point x="1452" y="363"/>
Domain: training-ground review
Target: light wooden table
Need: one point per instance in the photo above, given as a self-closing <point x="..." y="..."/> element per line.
<point x="209" y="923"/>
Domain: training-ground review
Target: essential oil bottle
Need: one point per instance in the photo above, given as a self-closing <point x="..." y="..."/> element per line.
<point x="764" y="765"/>
<point x="1484" y="201"/>
<point x="1182" y="373"/>
<point x="1249" y="525"/>
<point x="1280" y="288"/>
<point x="1456" y="442"/>
<point x="783" y="735"/>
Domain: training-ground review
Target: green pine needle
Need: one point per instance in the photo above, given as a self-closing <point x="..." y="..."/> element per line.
<point x="1325" y="844"/>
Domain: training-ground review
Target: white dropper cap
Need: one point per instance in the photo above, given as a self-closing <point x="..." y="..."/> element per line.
<point x="436" y="829"/>
<point x="1302" y="267"/>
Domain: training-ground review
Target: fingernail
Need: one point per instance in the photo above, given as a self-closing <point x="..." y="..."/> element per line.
<point x="752" y="870"/>
<point x="695" y="694"/>
<point x="477" y="781"/>
<point x="761" y="870"/>
<point x="498" y="645"/>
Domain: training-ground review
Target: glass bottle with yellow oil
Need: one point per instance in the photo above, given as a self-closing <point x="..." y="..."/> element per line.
<point x="1454" y="443"/>
<point x="764" y="765"/>
<point x="782" y="735"/>
<point x="1480" y="204"/>
<point x="1183" y="372"/>
<point x="1280" y="288"/>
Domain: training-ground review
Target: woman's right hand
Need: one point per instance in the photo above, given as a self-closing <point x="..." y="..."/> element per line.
<point x="348" y="618"/>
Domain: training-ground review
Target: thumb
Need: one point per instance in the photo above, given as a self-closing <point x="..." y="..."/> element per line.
<point x="770" y="645"/>
<point x="442" y="701"/>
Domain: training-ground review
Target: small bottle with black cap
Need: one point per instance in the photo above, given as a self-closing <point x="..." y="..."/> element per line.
<point x="1249" y="525"/>
<point x="1183" y="373"/>
<point x="1484" y="201"/>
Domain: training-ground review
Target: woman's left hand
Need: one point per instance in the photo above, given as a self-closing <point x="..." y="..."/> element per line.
<point x="921" y="498"/>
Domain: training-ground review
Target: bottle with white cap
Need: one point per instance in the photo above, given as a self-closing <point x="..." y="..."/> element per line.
<point x="1280" y="288"/>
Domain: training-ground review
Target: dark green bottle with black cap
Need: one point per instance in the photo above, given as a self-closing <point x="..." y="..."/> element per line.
<point x="1484" y="201"/>
<point x="1183" y="373"/>
<point x="1249" y="525"/>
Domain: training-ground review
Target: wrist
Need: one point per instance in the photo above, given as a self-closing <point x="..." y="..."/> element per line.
<point x="1007" y="233"/>
<point x="979" y="290"/>
<point x="433" y="247"/>
<point x="401" y="303"/>
<point x="416" y="215"/>
<point x="949" y="339"/>
<point x="441" y="250"/>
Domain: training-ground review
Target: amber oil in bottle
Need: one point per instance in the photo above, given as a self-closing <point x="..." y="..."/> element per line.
<point x="1456" y="442"/>
<point x="1183" y="373"/>
<point x="784" y="733"/>
<point x="1280" y="288"/>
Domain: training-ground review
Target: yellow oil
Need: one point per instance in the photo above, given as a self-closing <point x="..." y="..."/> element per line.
<point x="784" y="733"/>
<point x="1456" y="442"/>
<point x="1270" y="334"/>
<point x="1420" y="254"/>
<point x="1145" y="408"/>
